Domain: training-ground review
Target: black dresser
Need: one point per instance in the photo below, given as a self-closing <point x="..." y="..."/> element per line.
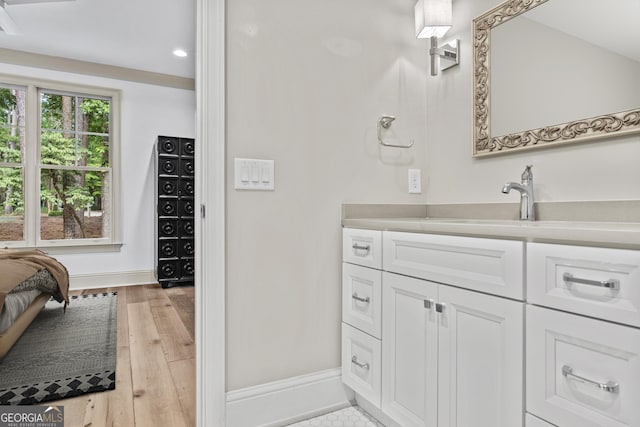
<point x="175" y="227"/>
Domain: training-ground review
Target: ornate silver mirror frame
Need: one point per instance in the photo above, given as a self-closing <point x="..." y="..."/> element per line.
<point x="578" y="130"/>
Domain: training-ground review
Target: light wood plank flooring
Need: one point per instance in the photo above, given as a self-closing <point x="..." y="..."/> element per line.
<point x="155" y="371"/>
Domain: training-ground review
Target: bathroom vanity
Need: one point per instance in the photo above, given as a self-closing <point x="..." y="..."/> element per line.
<point x="492" y="323"/>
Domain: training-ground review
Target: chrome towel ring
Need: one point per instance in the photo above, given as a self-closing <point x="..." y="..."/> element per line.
<point x="384" y="122"/>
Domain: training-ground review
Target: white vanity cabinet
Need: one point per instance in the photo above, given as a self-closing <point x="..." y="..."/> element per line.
<point x="362" y="312"/>
<point x="492" y="266"/>
<point x="362" y="247"/>
<point x="457" y="331"/>
<point x="410" y="351"/>
<point x="450" y="357"/>
<point x="361" y="363"/>
<point x="362" y="298"/>
<point x="596" y="282"/>
<point x="583" y="371"/>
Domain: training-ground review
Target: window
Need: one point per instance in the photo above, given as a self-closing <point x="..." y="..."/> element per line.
<point x="58" y="164"/>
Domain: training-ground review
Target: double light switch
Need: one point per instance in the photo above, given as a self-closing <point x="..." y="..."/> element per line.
<point x="254" y="174"/>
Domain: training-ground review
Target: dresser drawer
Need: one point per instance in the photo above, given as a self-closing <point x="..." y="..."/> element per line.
<point x="362" y="247"/>
<point x="582" y="372"/>
<point x="597" y="282"/>
<point x="361" y="298"/>
<point x="531" y="421"/>
<point x="361" y="369"/>
<point x="486" y="265"/>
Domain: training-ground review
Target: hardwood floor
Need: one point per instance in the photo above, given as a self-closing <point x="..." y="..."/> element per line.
<point x="155" y="370"/>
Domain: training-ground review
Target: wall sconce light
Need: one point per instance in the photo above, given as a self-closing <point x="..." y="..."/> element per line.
<point x="433" y="20"/>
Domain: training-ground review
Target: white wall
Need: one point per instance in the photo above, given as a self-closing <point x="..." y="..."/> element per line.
<point x="307" y="81"/>
<point x="605" y="169"/>
<point x="146" y="112"/>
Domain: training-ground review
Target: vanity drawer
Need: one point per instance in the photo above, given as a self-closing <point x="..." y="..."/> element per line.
<point x="362" y="298"/>
<point x="361" y="368"/>
<point x="362" y="247"/>
<point x="582" y="372"/>
<point x="597" y="282"/>
<point x="531" y="421"/>
<point x="486" y="265"/>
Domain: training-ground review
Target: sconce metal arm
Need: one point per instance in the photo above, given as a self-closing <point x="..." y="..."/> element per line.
<point x="448" y="52"/>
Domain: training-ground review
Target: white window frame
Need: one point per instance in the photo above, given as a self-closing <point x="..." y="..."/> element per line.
<point x="32" y="168"/>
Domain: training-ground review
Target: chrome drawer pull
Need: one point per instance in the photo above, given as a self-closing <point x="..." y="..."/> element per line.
<point x="361" y="299"/>
<point x="358" y="247"/>
<point x="609" y="386"/>
<point x="610" y="284"/>
<point x="354" y="360"/>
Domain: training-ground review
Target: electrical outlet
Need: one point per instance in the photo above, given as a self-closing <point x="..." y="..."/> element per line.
<point x="415" y="184"/>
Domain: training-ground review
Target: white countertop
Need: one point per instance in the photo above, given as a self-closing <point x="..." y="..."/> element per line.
<point x="607" y="234"/>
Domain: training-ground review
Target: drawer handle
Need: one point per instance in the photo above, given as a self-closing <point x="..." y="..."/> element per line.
<point x="610" y="284"/>
<point x="609" y="386"/>
<point x="357" y="247"/>
<point x="361" y="299"/>
<point x="354" y="360"/>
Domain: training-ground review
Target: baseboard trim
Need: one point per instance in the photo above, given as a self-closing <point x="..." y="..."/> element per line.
<point x="111" y="280"/>
<point x="284" y="402"/>
<point x="375" y="412"/>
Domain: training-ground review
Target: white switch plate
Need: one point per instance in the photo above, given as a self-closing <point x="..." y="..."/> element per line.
<point x="415" y="185"/>
<point x="254" y="174"/>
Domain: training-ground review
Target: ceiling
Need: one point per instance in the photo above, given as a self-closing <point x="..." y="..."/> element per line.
<point x="138" y="34"/>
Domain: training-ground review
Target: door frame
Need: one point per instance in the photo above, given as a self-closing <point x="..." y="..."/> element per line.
<point x="210" y="278"/>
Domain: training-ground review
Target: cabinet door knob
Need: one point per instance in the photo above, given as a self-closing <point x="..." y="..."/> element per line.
<point x="440" y="307"/>
<point x="361" y="365"/>
<point x="429" y="303"/>
<point x="609" y="386"/>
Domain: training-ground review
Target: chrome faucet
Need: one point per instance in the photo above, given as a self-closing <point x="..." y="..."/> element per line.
<point x="526" y="194"/>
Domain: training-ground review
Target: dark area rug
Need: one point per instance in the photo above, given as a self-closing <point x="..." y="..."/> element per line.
<point x="63" y="354"/>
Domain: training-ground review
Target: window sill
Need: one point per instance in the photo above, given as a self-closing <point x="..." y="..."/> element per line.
<point x="63" y="248"/>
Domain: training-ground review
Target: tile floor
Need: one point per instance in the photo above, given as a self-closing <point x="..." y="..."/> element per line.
<point x="352" y="416"/>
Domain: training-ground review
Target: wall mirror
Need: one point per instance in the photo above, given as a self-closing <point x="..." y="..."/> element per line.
<point x="549" y="72"/>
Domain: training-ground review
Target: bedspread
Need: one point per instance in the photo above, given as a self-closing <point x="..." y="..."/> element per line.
<point x="18" y="265"/>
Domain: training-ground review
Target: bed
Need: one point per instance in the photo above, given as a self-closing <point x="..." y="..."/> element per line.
<point x="28" y="279"/>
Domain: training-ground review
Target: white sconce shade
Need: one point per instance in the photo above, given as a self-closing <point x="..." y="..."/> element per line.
<point x="433" y="18"/>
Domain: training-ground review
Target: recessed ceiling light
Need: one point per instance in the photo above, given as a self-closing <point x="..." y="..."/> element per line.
<point x="180" y="53"/>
